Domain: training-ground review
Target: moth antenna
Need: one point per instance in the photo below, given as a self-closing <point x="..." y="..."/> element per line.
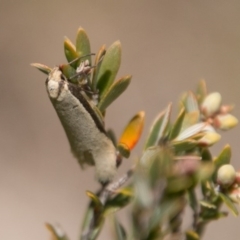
<point x="76" y="59"/>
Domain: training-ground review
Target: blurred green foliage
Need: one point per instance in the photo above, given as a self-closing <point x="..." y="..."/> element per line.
<point x="176" y="161"/>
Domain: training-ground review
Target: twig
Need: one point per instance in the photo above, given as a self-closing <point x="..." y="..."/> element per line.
<point x="104" y="194"/>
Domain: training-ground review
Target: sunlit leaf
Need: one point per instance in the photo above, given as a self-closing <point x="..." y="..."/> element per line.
<point x="207" y="204"/>
<point x="190" y="103"/>
<point x="191" y="131"/>
<point x="70" y="52"/>
<point x="83" y="45"/>
<point x="159" y="127"/>
<point x="97" y="203"/>
<point x="190" y="119"/>
<point x="43" y="68"/>
<point x="109" y="67"/>
<point x="229" y="203"/>
<point x="113" y="92"/>
<point x="132" y="131"/>
<point x="201" y="92"/>
<point x="56" y="232"/>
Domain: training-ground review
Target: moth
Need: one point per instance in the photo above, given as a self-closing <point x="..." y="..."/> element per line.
<point x="83" y="126"/>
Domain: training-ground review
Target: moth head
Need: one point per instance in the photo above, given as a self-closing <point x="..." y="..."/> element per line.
<point x="56" y="83"/>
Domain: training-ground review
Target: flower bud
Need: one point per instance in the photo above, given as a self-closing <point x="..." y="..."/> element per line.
<point x="226" y="175"/>
<point x="225" y="122"/>
<point x="211" y="104"/>
<point x="237" y="180"/>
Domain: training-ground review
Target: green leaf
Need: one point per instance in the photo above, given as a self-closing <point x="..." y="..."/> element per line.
<point x="176" y="128"/>
<point x="70" y="52"/>
<point x="179" y="184"/>
<point x="98" y="62"/>
<point x="95" y="231"/>
<point x="117" y="203"/>
<point x="43" y="68"/>
<point x="185" y="145"/>
<point x="113" y="92"/>
<point x="158" y="128"/>
<point x="201" y="91"/>
<point x="68" y="71"/>
<point x="96" y="201"/>
<point x="124" y="150"/>
<point x="229" y="204"/>
<point x="193" y="200"/>
<point x="207" y="204"/>
<point x="206" y="155"/>
<point x="109" y="68"/>
<point x="83" y="46"/>
<point x="56" y="232"/>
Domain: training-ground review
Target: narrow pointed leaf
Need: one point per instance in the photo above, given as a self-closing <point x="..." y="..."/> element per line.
<point x="229" y="203"/>
<point x="70" y="52"/>
<point x="109" y="67"/>
<point x="98" y="63"/>
<point x="158" y="128"/>
<point x="191" y="103"/>
<point x="224" y="157"/>
<point x="207" y="204"/>
<point x="201" y="91"/>
<point x="56" y="232"/>
<point x="114" y="92"/>
<point x="83" y="45"/>
<point x="97" y="203"/>
<point x="132" y="131"/>
<point x="119" y="230"/>
<point x="43" y="68"/>
<point x="191" y="131"/>
<point x="177" y="125"/>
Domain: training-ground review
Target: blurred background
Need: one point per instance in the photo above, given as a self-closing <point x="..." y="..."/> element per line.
<point x="168" y="46"/>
